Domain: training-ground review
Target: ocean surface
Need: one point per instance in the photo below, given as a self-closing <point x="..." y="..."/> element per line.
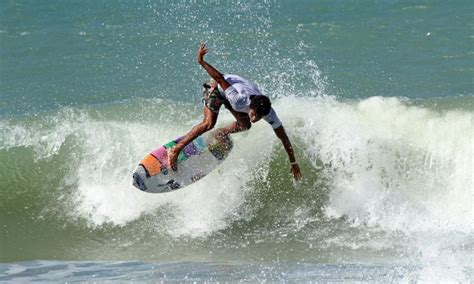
<point x="376" y="96"/>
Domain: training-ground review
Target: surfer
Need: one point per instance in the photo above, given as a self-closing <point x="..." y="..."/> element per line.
<point x="246" y="103"/>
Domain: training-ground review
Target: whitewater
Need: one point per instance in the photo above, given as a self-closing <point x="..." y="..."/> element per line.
<point x="385" y="180"/>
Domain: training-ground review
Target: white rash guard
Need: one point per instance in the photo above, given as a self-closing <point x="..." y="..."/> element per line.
<point x="238" y="95"/>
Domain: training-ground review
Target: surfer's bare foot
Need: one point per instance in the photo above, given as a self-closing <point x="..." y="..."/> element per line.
<point x="173" y="158"/>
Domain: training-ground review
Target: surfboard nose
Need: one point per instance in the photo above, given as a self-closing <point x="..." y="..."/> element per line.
<point x="138" y="182"/>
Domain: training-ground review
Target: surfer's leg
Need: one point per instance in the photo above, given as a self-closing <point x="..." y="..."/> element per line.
<point x="207" y="124"/>
<point x="242" y="123"/>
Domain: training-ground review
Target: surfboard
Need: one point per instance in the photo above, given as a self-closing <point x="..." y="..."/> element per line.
<point x="196" y="160"/>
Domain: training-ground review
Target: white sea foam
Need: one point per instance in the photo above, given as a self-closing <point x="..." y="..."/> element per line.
<point x="113" y="150"/>
<point x="396" y="168"/>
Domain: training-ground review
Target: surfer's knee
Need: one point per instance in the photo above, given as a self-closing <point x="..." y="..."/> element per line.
<point x="245" y="125"/>
<point x="208" y="125"/>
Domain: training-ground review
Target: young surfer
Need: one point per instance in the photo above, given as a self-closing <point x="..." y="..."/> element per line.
<point x="246" y="103"/>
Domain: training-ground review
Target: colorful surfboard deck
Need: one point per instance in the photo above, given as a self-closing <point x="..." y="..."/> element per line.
<point x="196" y="160"/>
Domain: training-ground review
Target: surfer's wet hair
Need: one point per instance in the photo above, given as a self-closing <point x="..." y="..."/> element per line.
<point x="260" y="104"/>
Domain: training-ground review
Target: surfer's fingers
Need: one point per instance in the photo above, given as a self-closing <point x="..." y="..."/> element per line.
<point x="203" y="48"/>
<point x="296" y="173"/>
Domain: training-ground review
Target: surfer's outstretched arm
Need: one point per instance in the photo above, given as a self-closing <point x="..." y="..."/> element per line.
<point x="295" y="169"/>
<point x="213" y="72"/>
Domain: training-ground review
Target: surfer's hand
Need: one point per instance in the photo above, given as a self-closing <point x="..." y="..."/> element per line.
<point x="295" y="170"/>
<point x="201" y="52"/>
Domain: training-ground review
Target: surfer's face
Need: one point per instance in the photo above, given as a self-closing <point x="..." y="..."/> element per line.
<point x="253" y="116"/>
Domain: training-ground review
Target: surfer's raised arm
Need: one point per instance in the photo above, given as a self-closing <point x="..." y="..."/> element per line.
<point x="213" y="72"/>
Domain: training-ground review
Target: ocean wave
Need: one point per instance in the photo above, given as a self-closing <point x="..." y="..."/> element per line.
<point x="379" y="173"/>
<point x="380" y="156"/>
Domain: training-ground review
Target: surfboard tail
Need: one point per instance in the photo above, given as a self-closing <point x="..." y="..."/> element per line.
<point x="219" y="146"/>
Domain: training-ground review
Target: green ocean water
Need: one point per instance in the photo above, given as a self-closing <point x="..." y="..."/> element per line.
<point x="376" y="96"/>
